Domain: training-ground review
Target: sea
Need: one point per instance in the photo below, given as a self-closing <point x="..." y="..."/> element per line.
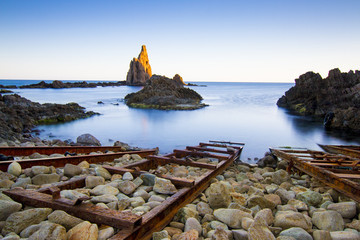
<point x="238" y="112"/>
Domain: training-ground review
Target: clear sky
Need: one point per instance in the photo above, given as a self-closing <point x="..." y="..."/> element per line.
<point x="202" y="40"/>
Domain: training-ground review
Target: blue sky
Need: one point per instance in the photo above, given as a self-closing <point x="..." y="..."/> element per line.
<point x="205" y="40"/>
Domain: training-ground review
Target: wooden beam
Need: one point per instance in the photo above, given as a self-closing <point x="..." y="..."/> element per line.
<point x="182" y="153"/>
<point x="165" y="160"/>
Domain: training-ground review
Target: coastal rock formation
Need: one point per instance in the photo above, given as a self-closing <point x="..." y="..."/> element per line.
<point x="60" y="84"/>
<point x="336" y="99"/>
<point x="164" y="93"/>
<point x="19" y="115"/>
<point x="140" y="69"/>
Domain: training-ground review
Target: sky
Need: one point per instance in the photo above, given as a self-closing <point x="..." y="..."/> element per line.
<point x="202" y="40"/>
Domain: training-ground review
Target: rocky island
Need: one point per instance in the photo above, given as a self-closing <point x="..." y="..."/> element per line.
<point x="19" y="115"/>
<point x="164" y="93"/>
<point x="335" y="99"/>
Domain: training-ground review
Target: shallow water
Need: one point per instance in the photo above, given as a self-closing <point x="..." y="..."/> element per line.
<point x="238" y="112"/>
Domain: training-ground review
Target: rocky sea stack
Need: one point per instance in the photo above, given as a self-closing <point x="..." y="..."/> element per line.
<point x="140" y="69"/>
<point x="164" y="93"/>
<point x="335" y="99"/>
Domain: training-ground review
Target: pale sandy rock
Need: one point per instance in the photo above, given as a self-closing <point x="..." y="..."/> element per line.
<point x="127" y="187"/>
<point x="231" y="217"/>
<point x="71" y="170"/>
<point x="321" y="235"/>
<point x="328" y="220"/>
<point x="164" y="186"/>
<point x="289" y="219"/>
<point x="297" y="233"/>
<point x="260" y="230"/>
<point x="246" y="223"/>
<point x="6" y="183"/>
<point x="309" y="197"/>
<point x="49" y="231"/>
<point x="7" y="208"/>
<point x="72" y="194"/>
<point x="106" y="198"/>
<point x="355" y="224"/>
<point x="299" y="205"/>
<point x="41" y="179"/>
<point x="346" y="209"/>
<point x="100" y="171"/>
<point x="84" y="164"/>
<point x="14" y="168"/>
<point x="136" y="201"/>
<point x="280" y="176"/>
<point x="40" y="170"/>
<point x="215" y="224"/>
<point x="285" y="195"/>
<point x="142" y="193"/>
<point x="22" y="182"/>
<point x="106" y="232"/>
<point x="172" y="231"/>
<point x="104" y="189"/>
<point x="218" y="195"/>
<point x="184" y="213"/>
<point x="267" y="215"/>
<point x="84" y="230"/>
<point x="193" y="223"/>
<point x="203" y="208"/>
<point x="190" y="235"/>
<point x="127" y="176"/>
<point x="261" y="201"/>
<point x="220" y="234"/>
<point x="160" y="235"/>
<point x="93" y="181"/>
<point x="240" y="234"/>
<point x="27" y="232"/>
<point x="18" y="221"/>
<point x="64" y="219"/>
<point x="345" y="235"/>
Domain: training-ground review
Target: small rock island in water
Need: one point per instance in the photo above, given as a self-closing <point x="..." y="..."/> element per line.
<point x="164" y="93"/>
<point x="336" y="99"/>
<point x="159" y="92"/>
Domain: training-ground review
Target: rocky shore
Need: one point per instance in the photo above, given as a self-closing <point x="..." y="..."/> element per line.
<point x="18" y="115"/>
<point x="245" y="202"/>
<point x="334" y="99"/>
<point x="60" y="84"/>
<point x="164" y="93"/>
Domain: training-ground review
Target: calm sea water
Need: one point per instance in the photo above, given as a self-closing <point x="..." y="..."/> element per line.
<point x="238" y="112"/>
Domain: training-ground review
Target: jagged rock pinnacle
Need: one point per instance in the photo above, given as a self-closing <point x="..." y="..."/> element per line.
<point x="140" y="69"/>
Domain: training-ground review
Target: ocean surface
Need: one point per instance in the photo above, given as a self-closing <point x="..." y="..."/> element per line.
<point x="237" y="112"/>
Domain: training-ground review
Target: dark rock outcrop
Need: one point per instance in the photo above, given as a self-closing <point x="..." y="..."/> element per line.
<point x="336" y="99"/>
<point x="19" y="115"/>
<point x="140" y="69"/>
<point x="164" y="93"/>
<point x="60" y="84"/>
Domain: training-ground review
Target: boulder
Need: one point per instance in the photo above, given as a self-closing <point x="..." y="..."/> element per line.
<point x="328" y="220"/>
<point x="84" y="230"/>
<point x="297" y="233"/>
<point x="231" y="217"/>
<point x="64" y="219"/>
<point x="87" y="140"/>
<point x="7" y="208"/>
<point x="140" y="69"/>
<point x="18" y="221"/>
<point x="346" y="209"/>
<point x="218" y="195"/>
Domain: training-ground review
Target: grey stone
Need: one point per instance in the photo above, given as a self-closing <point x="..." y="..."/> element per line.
<point x="310" y="197"/>
<point x="100" y="171"/>
<point x="280" y="176"/>
<point x="18" y="221"/>
<point x="231" y="217"/>
<point x="148" y="179"/>
<point x="192" y="223"/>
<point x="7" y="208"/>
<point x="289" y="219"/>
<point x="127" y="187"/>
<point x="49" y="231"/>
<point x="71" y="170"/>
<point x="203" y="208"/>
<point x="321" y="235"/>
<point x="106" y="232"/>
<point x="14" y="168"/>
<point x="93" y="181"/>
<point x="40" y="170"/>
<point x="328" y="220"/>
<point x="297" y="233"/>
<point x="164" y="186"/>
<point x="41" y="179"/>
<point x="240" y="234"/>
<point x="160" y="235"/>
<point x="88" y="140"/>
<point x="22" y="182"/>
<point x="127" y="176"/>
<point x="346" y="209"/>
<point x="106" y="198"/>
<point x="64" y="219"/>
<point x="344" y="235"/>
<point x="104" y="189"/>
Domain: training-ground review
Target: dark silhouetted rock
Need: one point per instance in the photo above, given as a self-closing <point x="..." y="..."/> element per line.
<point x="164" y="93"/>
<point x="335" y="99"/>
<point x="60" y="84"/>
<point x="140" y="69"/>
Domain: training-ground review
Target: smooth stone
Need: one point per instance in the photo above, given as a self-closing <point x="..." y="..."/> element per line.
<point x="346" y="209"/>
<point x="261" y="201"/>
<point x="84" y="164"/>
<point x="309" y="197"/>
<point x="127" y="187"/>
<point x="84" y="230"/>
<point x="41" y="179"/>
<point x="102" y="205"/>
<point x="172" y="231"/>
<point x="148" y="179"/>
<point x="11" y="236"/>
<point x="64" y="219"/>
<point x="156" y="198"/>
<point x="344" y="235"/>
<point x="14" y="168"/>
<point x="160" y="235"/>
<point x="285" y="195"/>
<point x="104" y="189"/>
<point x="246" y="223"/>
<point x="36" y="170"/>
<point x="127" y="176"/>
<point x="289" y="219"/>
<point x="93" y="181"/>
<point x="6" y="183"/>
<point x="265" y="214"/>
<point x="27" y="232"/>
<point x="231" y="217"/>
<point x="88" y="140"/>
<point x="136" y="201"/>
<point x="297" y="233"/>
<point x="122" y="196"/>
<point x="192" y="223"/>
<point x="71" y="170"/>
<point x="164" y="186"/>
<point x="106" y="198"/>
<point x="203" y="208"/>
<point x="184" y="213"/>
<point x="178" y="225"/>
<point x="22" y="182"/>
<point x="321" y="235"/>
<point x="328" y="220"/>
<point x="141" y="193"/>
<point x="18" y="221"/>
<point x="280" y="176"/>
<point x="7" y="208"/>
<point x="152" y="204"/>
<point x="218" y="195"/>
<point x="260" y="230"/>
<point x="240" y="234"/>
<point x="49" y="231"/>
<point x="105" y="232"/>
<point x="141" y="209"/>
<point x="72" y="194"/>
<point x="215" y="224"/>
<point x="100" y="171"/>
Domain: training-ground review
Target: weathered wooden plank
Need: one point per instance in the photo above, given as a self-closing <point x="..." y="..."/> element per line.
<point x="352" y="151"/>
<point x="165" y="160"/>
<point x="84" y="211"/>
<point x="183" y="153"/>
<point x="205" y="149"/>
